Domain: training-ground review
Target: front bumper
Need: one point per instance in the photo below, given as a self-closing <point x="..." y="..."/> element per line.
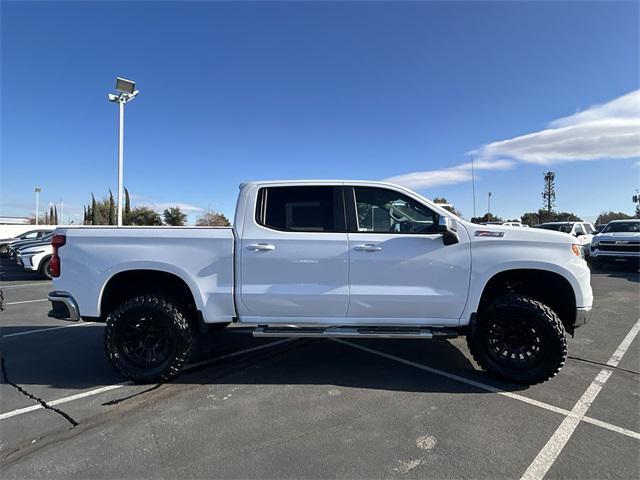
<point x="582" y="316"/>
<point x="63" y="306"/>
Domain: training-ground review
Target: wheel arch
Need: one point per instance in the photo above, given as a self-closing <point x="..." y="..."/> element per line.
<point x="146" y="279"/>
<point x="549" y="287"/>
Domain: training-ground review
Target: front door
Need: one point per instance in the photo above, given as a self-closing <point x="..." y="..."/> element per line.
<point x="400" y="267"/>
<point x="294" y="255"/>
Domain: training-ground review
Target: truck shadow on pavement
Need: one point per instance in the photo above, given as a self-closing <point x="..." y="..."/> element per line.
<point x="73" y="359"/>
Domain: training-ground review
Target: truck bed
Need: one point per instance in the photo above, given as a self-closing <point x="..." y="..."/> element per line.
<point x="200" y="256"/>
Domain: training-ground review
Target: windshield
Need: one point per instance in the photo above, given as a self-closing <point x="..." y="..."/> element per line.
<point x="622" y="227"/>
<point x="558" y="227"/>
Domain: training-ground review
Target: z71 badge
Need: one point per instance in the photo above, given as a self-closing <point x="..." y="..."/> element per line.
<point x="487" y="233"/>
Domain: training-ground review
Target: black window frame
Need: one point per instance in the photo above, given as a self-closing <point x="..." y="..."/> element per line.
<point x="338" y="208"/>
<point x="352" y="211"/>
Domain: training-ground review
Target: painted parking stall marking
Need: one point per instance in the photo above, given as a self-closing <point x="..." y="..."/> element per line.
<point x="482" y="386"/>
<point x="550" y="452"/>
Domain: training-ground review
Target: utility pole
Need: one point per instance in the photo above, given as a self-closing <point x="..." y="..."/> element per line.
<point x="489" y="205"/>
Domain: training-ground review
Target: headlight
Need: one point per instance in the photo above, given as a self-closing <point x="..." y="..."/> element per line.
<point x="577" y="250"/>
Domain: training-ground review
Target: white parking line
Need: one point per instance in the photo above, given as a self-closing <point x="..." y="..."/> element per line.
<point x="22" y="285"/>
<point x="26" y="301"/>
<point x="53" y="403"/>
<point x="29" y="332"/>
<point x="97" y="391"/>
<point x="490" y="388"/>
<point x="550" y="452"/>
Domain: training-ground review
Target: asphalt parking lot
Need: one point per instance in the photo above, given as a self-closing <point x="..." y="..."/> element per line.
<point x="316" y="408"/>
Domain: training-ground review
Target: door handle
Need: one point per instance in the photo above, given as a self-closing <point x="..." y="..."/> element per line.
<point x="368" y="247"/>
<point x="261" y="247"/>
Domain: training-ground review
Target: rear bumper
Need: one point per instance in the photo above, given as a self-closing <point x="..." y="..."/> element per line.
<point x="582" y="316"/>
<point x="63" y="306"/>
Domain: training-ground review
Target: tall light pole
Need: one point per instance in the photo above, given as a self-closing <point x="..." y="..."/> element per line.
<point x="37" y="190"/>
<point x="489" y="205"/>
<point x="126" y="92"/>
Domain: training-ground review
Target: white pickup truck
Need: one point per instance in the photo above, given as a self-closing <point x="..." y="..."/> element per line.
<point x="329" y="259"/>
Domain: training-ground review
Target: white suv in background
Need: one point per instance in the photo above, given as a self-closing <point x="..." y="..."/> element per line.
<point x="583" y="231"/>
<point x="36" y="258"/>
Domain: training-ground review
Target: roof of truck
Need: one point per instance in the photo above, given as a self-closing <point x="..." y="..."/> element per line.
<point x="316" y="181"/>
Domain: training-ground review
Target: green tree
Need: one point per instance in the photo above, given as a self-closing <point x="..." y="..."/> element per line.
<point x="449" y="207"/>
<point x="145" y="216"/>
<point x="174" y="216"/>
<point x="55" y="215"/>
<point x="127" y="208"/>
<point x="606" y="217"/>
<point x="213" y="219"/>
<point x="487" y="217"/>
<point x="93" y="211"/>
<point x="112" y="209"/>
<point x="543" y="216"/>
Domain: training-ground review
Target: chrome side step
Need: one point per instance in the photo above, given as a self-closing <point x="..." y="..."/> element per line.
<point x="355" y="332"/>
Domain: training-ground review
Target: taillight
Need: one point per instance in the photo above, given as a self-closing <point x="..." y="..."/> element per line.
<point x="56" y="242"/>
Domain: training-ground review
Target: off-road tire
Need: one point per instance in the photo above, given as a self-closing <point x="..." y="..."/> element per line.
<point x="549" y="332"/>
<point x="176" y="331"/>
<point x="45" y="269"/>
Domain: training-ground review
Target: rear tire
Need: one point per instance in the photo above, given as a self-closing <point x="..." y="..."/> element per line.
<point x="149" y="339"/>
<point x="519" y="339"/>
<point x="45" y="269"/>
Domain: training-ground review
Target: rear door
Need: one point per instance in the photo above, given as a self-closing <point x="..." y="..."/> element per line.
<point x="294" y="254"/>
<point x="400" y="267"/>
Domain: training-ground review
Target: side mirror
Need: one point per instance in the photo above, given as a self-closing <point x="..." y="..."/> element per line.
<point x="448" y="227"/>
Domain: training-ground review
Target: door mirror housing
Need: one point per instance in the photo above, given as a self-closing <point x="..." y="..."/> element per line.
<point x="448" y="227"/>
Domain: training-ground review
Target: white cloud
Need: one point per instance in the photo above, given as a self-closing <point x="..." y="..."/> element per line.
<point x="610" y="130"/>
<point x="626" y="106"/>
<point x="447" y="176"/>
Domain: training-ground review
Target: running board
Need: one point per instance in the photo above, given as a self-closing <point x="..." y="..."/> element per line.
<point x="355" y="332"/>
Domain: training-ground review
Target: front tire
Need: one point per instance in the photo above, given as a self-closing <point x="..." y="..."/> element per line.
<point x="519" y="339"/>
<point x="148" y="339"/>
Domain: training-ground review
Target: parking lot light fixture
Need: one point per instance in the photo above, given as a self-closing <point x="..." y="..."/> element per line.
<point x="37" y="190"/>
<point x="127" y="92"/>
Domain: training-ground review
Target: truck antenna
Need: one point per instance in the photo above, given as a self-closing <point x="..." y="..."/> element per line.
<point x="473" y="185"/>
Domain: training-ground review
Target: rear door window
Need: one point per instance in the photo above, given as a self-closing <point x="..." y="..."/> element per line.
<point x="301" y="209"/>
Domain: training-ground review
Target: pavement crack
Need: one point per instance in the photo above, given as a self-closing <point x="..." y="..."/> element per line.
<point x="606" y="365"/>
<point x="42" y="402"/>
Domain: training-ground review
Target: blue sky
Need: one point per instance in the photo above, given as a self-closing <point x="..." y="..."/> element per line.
<point x="232" y="92"/>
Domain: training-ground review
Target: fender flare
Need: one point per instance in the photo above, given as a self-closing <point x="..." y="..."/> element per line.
<point x="108" y="275"/>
